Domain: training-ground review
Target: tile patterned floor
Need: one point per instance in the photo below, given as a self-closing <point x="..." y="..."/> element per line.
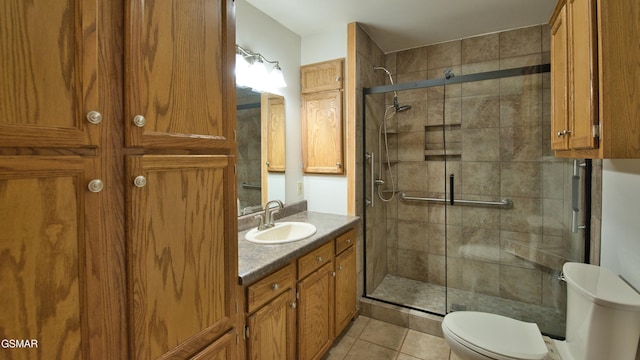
<point x="372" y="339"/>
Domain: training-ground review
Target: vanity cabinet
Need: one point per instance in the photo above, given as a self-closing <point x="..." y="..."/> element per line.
<point x="316" y="302"/>
<point x="594" y="76"/>
<point x="297" y="311"/>
<point x="270" y="331"/>
<point x="345" y="268"/>
<point x="119" y="238"/>
<point x="322" y="118"/>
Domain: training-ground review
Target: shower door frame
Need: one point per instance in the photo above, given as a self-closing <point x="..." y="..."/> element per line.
<point x="457" y="79"/>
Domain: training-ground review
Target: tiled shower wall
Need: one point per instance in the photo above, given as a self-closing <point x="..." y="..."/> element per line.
<point x="248" y="166"/>
<point x="498" y="133"/>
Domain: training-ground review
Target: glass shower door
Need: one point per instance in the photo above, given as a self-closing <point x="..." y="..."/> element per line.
<point x="514" y="218"/>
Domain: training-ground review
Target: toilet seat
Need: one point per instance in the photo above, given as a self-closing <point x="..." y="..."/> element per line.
<point x="495" y="336"/>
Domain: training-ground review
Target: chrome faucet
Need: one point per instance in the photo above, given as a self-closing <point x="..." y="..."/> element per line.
<point x="267" y="221"/>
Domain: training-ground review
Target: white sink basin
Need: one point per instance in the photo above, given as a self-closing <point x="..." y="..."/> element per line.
<point x="282" y="232"/>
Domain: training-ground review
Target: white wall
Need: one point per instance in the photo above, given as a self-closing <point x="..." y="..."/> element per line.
<point x="257" y="32"/>
<point x="325" y="193"/>
<point x="620" y="248"/>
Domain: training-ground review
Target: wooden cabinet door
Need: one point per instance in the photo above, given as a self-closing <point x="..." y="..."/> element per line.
<point x="182" y="252"/>
<point x="176" y="88"/>
<point x="345" y="288"/>
<point x="323" y="76"/>
<point x="48" y="73"/>
<point x="559" y="80"/>
<point x="583" y="108"/>
<point x="224" y="348"/>
<point x="50" y="251"/>
<point x="273" y="125"/>
<point x="272" y="329"/>
<point x="322" y="132"/>
<point x="316" y="313"/>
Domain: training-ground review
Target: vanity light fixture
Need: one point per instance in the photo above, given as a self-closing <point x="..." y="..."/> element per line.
<point x="252" y="72"/>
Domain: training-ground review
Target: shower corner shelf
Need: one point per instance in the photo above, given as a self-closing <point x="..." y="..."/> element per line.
<point x="549" y="257"/>
<point x="390" y="162"/>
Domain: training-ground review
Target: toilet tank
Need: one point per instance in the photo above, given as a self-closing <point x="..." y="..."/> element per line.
<point x="603" y="314"/>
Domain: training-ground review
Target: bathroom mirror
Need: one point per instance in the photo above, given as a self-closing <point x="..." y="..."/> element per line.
<point x="261" y="151"/>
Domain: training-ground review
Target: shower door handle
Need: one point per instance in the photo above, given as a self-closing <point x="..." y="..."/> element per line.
<point x="370" y="157"/>
<point x="451" y="183"/>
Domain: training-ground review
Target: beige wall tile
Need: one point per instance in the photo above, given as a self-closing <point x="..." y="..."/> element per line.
<point x="521" y="284"/>
<point x="521" y="143"/>
<point x="480" y="178"/>
<point x="521" y="179"/>
<point x="411" y="60"/>
<point x="481" y="144"/>
<point x="481" y="48"/>
<point x="520" y="42"/>
<point x="480" y="112"/>
<point x="444" y="54"/>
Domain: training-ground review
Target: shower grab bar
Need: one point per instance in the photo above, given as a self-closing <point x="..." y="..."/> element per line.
<point x="505" y="203"/>
<point x="246" y="185"/>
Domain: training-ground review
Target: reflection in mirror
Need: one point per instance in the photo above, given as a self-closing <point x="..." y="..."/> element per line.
<point x="261" y="149"/>
<point x="249" y="162"/>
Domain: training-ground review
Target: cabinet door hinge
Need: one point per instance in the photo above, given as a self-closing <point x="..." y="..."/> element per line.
<point x="246" y="332"/>
<point x="297" y="295"/>
<point x="596" y="131"/>
<point x="236" y="307"/>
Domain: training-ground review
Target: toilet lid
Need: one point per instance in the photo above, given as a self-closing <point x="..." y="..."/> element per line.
<point x="496" y="336"/>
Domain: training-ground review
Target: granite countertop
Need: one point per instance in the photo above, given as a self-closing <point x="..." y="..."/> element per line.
<point x="257" y="260"/>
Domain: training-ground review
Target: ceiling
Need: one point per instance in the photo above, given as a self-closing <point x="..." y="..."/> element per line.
<point x="403" y="24"/>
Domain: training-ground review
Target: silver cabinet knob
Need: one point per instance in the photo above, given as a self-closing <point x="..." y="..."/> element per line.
<point x="94" y="117"/>
<point x="339" y="267"/>
<point x="564" y="132"/>
<point x="348" y="241"/>
<point x="339" y="164"/>
<point x="275" y="286"/>
<point x="140" y="181"/>
<point x="319" y="258"/>
<point x="292" y="305"/>
<point x="139" y="121"/>
<point x="95" y="185"/>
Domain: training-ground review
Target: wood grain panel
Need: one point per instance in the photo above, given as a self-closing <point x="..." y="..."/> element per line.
<point x="48" y="73"/>
<point x="180" y="274"/>
<point x="345" y="240"/>
<point x="177" y="84"/>
<point x="322" y="131"/>
<point x="272" y="330"/>
<point x="274" y="119"/>
<point x="345" y="288"/>
<point x="583" y="74"/>
<point x="315" y="259"/>
<point x="322" y="76"/>
<point x="315" y="313"/>
<point x="222" y="349"/>
<point x="619" y="77"/>
<point x="43" y="289"/>
<point x="266" y="289"/>
<point x="559" y="78"/>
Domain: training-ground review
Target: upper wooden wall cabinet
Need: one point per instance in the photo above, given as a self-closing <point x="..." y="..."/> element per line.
<point x="322" y="118"/>
<point x="594" y="79"/>
<point x="323" y="76"/>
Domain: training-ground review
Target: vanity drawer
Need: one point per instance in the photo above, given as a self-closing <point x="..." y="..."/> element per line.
<point x="315" y="259"/>
<point x="269" y="287"/>
<point x="345" y="240"/>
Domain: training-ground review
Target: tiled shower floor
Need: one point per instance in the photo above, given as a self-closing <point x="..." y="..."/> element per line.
<point x="430" y="297"/>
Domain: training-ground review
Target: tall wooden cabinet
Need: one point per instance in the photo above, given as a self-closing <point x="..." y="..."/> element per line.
<point x="117" y="206"/>
<point x="322" y="117"/>
<point x="594" y="74"/>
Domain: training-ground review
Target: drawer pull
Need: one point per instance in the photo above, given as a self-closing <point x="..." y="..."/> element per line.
<point x="319" y="258"/>
<point x="348" y="241"/>
<point x="292" y="305"/>
<point x="275" y="286"/>
<point x="339" y="267"/>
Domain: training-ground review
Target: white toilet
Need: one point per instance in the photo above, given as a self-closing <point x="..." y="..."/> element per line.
<point x="603" y="322"/>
